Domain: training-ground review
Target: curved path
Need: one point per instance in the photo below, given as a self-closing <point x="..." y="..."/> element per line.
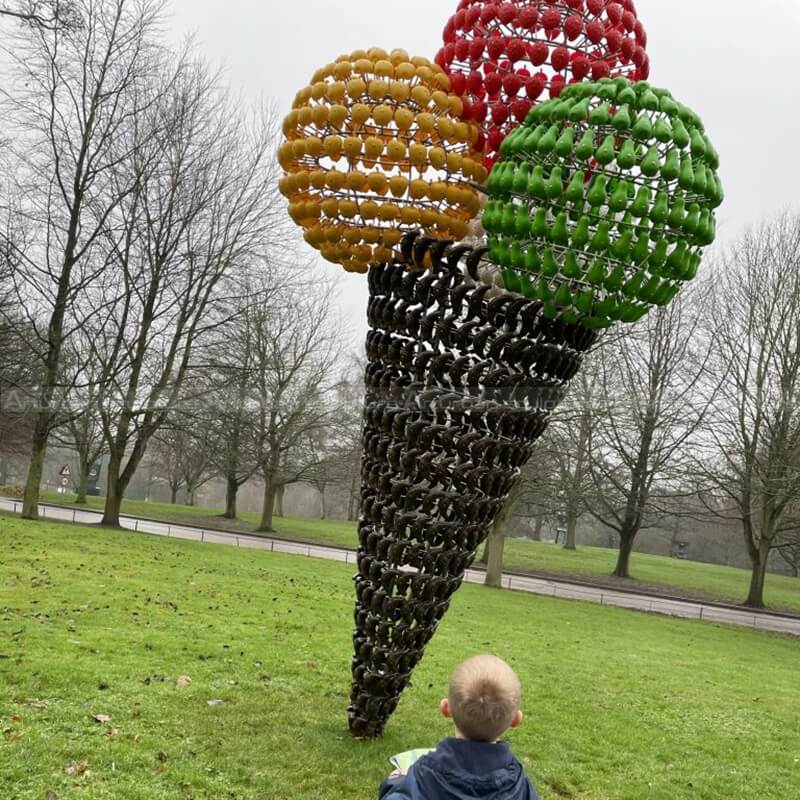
<point x="569" y="591"/>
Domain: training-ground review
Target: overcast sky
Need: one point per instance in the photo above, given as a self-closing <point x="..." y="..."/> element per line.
<point x="735" y="62"/>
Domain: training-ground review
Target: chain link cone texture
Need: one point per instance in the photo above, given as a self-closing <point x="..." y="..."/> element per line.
<point x="460" y="383"/>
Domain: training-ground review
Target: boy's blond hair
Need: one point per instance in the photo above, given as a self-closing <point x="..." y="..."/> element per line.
<point x="484" y="696"/>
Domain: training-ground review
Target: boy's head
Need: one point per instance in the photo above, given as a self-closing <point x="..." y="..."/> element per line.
<point x="484" y="698"/>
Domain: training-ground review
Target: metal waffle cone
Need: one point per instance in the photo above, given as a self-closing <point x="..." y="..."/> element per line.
<point x="459" y="386"/>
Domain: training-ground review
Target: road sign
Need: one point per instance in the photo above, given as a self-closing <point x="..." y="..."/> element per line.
<point x="65" y="481"/>
<point x="66" y="471"/>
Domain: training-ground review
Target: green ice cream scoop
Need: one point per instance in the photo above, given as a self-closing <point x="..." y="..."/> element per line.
<point x="603" y="202"/>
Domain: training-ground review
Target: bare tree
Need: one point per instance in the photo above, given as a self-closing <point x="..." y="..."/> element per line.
<point x="753" y="464"/>
<point x="337" y="448"/>
<point x="197" y="215"/>
<point x="46" y="14"/>
<point x="166" y="465"/>
<point x="325" y="469"/>
<point x="295" y="345"/>
<point x="81" y="425"/>
<point x="231" y="369"/>
<point x="651" y="408"/>
<point x="557" y="479"/>
<point x="183" y="446"/>
<point x="567" y="449"/>
<point x="540" y="497"/>
<point x="76" y="88"/>
<point x="349" y="431"/>
<point x="85" y="428"/>
<point x="533" y="491"/>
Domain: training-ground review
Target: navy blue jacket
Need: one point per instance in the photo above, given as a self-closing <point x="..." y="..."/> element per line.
<point x="463" y="770"/>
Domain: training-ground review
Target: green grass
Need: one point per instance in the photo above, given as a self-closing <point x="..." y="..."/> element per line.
<point x="667" y="574"/>
<point x="670" y="574"/>
<point x="332" y="532"/>
<point x="619" y="704"/>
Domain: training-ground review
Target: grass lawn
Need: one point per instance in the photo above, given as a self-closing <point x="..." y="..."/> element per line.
<point x="332" y="532"/>
<point x="708" y="581"/>
<point x="619" y="704"/>
<point x="670" y="574"/>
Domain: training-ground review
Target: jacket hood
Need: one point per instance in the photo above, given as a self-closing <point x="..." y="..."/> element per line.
<point x="463" y="770"/>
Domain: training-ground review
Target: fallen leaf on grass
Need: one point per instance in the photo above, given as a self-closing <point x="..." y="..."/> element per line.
<point x="312" y="664"/>
<point x="112" y="732"/>
<point x="216" y="702"/>
<point x="39" y="704"/>
<point x="101" y="719"/>
<point x="183" y="680"/>
<point x="51" y="795"/>
<point x="77" y="767"/>
<point x="16" y="718"/>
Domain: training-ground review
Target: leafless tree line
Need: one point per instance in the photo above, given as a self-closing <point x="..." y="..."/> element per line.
<point x="268" y="404"/>
<point x="148" y="300"/>
<point x="692" y="412"/>
<point x="147" y="291"/>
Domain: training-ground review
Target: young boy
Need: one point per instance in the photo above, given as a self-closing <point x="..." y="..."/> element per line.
<point x="483" y="701"/>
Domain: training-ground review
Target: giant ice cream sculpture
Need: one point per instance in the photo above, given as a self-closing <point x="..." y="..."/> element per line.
<point x="599" y="205"/>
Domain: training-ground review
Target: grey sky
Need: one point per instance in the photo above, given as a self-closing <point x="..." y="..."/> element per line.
<point x="735" y="62"/>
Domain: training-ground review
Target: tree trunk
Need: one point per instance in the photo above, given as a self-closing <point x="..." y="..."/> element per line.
<point x="537" y="529"/>
<point x="83" y="482"/>
<point x="624" y="559"/>
<point x="268" y="508"/>
<point x="279" y="492"/>
<point x="191" y="497"/>
<point x="173" y="494"/>
<point x="758" y="576"/>
<point x="231" y="494"/>
<point x="495" y="546"/>
<point x="323" y="512"/>
<point x="353" y="497"/>
<point x="114" y="494"/>
<point x="30" y="503"/>
<point x="112" y="509"/>
<point x="572" y="526"/>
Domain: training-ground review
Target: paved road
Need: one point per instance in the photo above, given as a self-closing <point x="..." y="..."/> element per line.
<point x="567" y="591"/>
